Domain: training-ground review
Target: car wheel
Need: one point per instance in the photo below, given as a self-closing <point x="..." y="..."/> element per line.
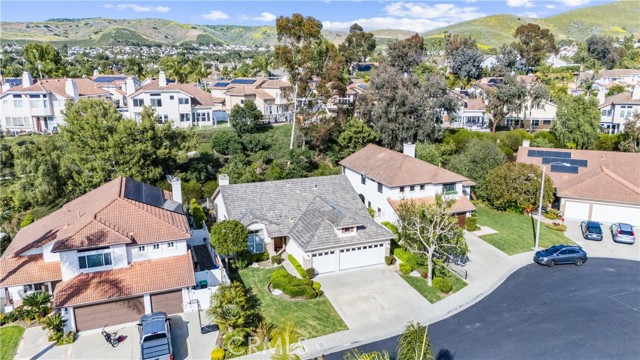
<point x="580" y="261"/>
<point x="551" y="263"/>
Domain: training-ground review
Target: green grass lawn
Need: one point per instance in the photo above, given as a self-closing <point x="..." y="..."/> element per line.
<point x="431" y="293"/>
<point x="9" y="339"/>
<point x="312" y="318"/>
<point x="516" y="232"/>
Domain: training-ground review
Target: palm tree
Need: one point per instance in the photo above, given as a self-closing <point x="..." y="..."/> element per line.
<point x="286" y="342"/>
<point x="55" y="324"/>
<point x="414" y="343"/>
<point x="37" y="300"/>
<point x="359" y="355"/>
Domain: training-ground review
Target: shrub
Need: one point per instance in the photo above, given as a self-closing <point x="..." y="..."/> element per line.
<point x="291" y="285"/>
<point x="26" y="221"/>
<point x="551" y="214"/>
<point x="258" y="257"/>
<point x="406" y="257"/>
<point x="472" y="223"/>
<point x="310" y="293"/>
<point x="391" y="227"/>
<point x="389" y="260"/>
<point x="320" y="293"/>
<point x="442" y="284"/>
<point x="424" y="274"/>
<point x="371" y="212"/>
<point x="316" y="285"/>
<point x="556" y="227"/>
<point x="217" y="354"/>
<point x="297" y="265"/>
<point x="311" y="273"/>
<point x="405" y="268"/>
<point x="67" y="338"/>
<point x="277" y="259"/>
<point x="242" y="259"/>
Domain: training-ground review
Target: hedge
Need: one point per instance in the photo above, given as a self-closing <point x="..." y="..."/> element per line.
<point x="297" y="265"/>
<point x="472" y="223"/>
<point x="442" y="284"/>
<point x="292" y="286"/>
<point x="277" y="259"/>
<point x="406" y="257"/>
<point x="405" y="268"/>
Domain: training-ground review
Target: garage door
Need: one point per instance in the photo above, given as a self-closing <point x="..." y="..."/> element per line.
<point x="361" y="256"/>
<point x="576" y="210"/>
<point x="169" y="302"/>
<point x="324" y="262"/>
<point x="616" y="213"/>
<point x="111" y="313"/>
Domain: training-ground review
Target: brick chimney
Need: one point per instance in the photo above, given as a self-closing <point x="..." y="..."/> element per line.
<point x="409" y="149"/>
<point x="27" y="80"/>
<point x="71" y="88"/>
<point x="602" y="95"/>
<point x="162" y="79"/>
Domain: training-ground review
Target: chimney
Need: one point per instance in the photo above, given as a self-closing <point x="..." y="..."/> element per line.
<point x="5" y="87"/>
<point x="27" y="80"/>
<point x="71" y="88"/>
<point x="162" y="80"/>
<point x="635" y="94"/>
<point x="602" y="94"/>
<point x="176" y="188"/>
<point x="223" y="179"/>
<point x="130" y="86"/>
<point x="96" y="73"/>
<point x="526" y="143"/>
<point x="409" y="149"/>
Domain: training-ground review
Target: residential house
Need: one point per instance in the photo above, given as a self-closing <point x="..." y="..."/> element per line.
<point x="117" y="85"/>
<point x="271" y="96"/>
<point x="627" y="76"/>
<point x="37" y="106"/>
<point x="320" y="221"/>
<point x="556" y="61"/>
<point x="617" y="109"/>
<point x="601" y="186"/>
<point x="184" y="105"/>
<point x="471" y="113"/>
<point x="489" y="61"/>
<point x="384" y="178"/>
<point x="113" y="254"/>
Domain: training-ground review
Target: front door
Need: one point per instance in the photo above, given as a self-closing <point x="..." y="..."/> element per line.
<point x="278" y="243"/>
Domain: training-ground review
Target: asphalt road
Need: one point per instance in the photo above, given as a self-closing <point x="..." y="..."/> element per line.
<point x="565" y="312"/>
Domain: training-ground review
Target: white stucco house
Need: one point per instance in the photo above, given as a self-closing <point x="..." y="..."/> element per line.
<point x="617" y="109"/>
<point x="320" y="221"/>
<point x="383" y="178"/>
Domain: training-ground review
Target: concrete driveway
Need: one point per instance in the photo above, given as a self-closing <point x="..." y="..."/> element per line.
<point x="372" y="295"/>
<point x="607" y="247"/>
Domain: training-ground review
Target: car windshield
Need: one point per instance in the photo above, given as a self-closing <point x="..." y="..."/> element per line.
<point x="154" y="337"/>
<point x="594" y="229"/>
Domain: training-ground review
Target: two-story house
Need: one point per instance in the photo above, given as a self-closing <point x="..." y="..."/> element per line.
<point x="108" y="257"/>
<point x="383" y="178"/>
<point x="320" y="221"/>
<point x="38" y="106"/>
<point x="471" y="111"/>
<point x="626" y="76"/>
<point x="271" y="96"/>
<point x="617" y="109"/>
<point x="184" y="105"/>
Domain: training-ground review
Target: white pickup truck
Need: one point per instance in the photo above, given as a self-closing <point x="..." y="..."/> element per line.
<point x="155" y="336"/>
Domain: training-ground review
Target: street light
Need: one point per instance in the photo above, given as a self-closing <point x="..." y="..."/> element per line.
<point x="544" y="167"/>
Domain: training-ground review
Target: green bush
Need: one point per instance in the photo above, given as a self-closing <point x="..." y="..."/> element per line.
<point x="371" y="212"/>
<point x="471" y="223"/>
<point x="310" y="293"/>
<point x="242" y="259"/>
<point x="310" y="272"/>
<point x="217" y="354"/>
<point x="259" y="257"/>
<point x="442" y="284"/>
<point x="277" y="259"/>
<point x="316" y="285"/>
<point x="406" y="257"/>
<point x="556" y="227"/>
<point x="291" y="285"/>
<point x="389" y="260"/>
<point x="551" y="214"/>
<point x="405" y="268"/>
<point x="297" y="265"/>
<point x="391" y="227"/>
<point x="26" y="221"/>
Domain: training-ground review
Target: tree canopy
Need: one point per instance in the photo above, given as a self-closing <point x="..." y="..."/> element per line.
<point x="631" y="135"/>
<point x="534" y="43"/>
<point x="229" y="237"/>
<point x="43" y="60"/>
<point x="245" y="118"/>
<point x="464" y="57"/>
<point x="515" y="186"/>
<point x="506" y="98"/>
<point x="478" y="158"/>
<point x="358" y="45"/>
<point x="406" y="54"/>
<point x="577" y="122"/>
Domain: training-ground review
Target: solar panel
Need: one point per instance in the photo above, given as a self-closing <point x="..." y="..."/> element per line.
<point x="532" y="153"/>
<point x="572" y="162"/>
<point x="243" y="81"/>
<point x="221" y="84"/>
<point x="562" y="155"/>
<point x="564" y="169"/>
<point x="108" y="79"/>
<point x="13" y="81"/>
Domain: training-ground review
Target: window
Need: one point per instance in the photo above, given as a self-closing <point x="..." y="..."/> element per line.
<point x="368" y="204"/>
<point x="94" y="260"/>
<point x="170" y="244"/>
<point x="5" y="102"/>
<point x="185" y="117"/>
<point x="346" y="230"/>
<point x="605" y="112"/>
<point x="162" y="118"/>
<point x="138" y="102"/>
<point x="17" y="103"/>
<point x="535" y="123"/>
<point x="183" y="101"/>
<point x="546" y="122"/>
<point x="156" y="246"/>
<point x="255" y="241"/>
<point x="156" y="102"/>
<point x="142" y="248"/>
<point x="170" y="97"/>
<point x="449" y="189"/>
<point x="421" y="187"/>
<point x="203" y="116"/>
<point x="401" y="189"/>
<point x="363" y="179"/>
<point x="412" y="188"/>
<point x="380" y="188"/>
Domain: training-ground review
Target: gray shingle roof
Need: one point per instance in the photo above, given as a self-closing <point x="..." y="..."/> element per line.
<point x="308" y="210"/>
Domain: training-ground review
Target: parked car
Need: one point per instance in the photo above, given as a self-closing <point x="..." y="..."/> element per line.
<point x="591" y="230"/>
<point x="623" y="233"/>
<point x="561" y="254"/>
<point x="155" y="336"/>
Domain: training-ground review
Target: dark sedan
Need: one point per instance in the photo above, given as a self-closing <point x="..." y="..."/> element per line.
<point x="591" y="230"/>
<point x="561" y="254"/>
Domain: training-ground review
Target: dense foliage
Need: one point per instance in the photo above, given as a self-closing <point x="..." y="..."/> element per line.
<point x="516" y="187"/>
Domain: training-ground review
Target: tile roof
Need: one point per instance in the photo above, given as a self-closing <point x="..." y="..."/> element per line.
<point x="142" y="277"/>
<point x="609" y="176"/>
<point x="241" y="90"/>
<point x="602" y="74"/>
<point x="461" y="205"/>
<point x="396" y="169"/>
<point x="86" y="87"/>
<point x="304" y="208"/>
<point x="275" y="84"/>
<point x="21" y="270"/>
<point x="127" y="207"/>
<point x="261" y="94"/>
<point x="622" y="98"/>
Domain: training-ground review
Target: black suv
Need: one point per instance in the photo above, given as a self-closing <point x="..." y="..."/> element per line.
<point x="591" y="230"/>
<point x="561" y="254"/>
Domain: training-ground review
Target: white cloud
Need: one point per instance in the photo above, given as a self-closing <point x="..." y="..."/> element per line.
<point x="550" y="6"/>
<point x="138" y="8"/>
<point x="412" y="16"/>
<point x="519" y="3"/>
<point x="530" y="14"/>
<point x="215" y="15"/>
<point x="265" y="16"/>
<point x="574" y="2"/>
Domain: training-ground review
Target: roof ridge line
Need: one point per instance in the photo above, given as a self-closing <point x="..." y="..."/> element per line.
<point x="404" y="159"/>
<point x="617" y="178"/>
<point x="135" y="203"/>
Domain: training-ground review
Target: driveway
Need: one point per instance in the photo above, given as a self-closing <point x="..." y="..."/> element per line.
<point x="607" y="247"/>
<point x="372" y="295"/>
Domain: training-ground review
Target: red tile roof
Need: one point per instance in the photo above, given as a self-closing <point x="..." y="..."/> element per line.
<point x="86" y="87"/>
<point x="21" y="270"/>
<point x="139" y="278"/>
<point x="198" y="96"/>
<point x="461" y="205"/>
<point x="396" y="169"/>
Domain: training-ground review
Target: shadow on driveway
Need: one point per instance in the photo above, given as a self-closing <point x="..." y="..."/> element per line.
<point x="179" y="335"/>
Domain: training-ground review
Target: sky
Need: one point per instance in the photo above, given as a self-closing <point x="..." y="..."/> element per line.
<point x="413" y="15"/>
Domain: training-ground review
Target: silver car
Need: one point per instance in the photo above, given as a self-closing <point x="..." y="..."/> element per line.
<point x="622" y="233"/>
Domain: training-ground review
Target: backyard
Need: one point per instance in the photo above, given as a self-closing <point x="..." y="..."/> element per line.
<point x="9" y="339"/>
<point x="516" y="232"/>
<point x="312" y="318"/>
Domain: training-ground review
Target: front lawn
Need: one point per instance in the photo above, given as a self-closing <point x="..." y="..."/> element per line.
<point x="516" y="232"/>
<point x="9" y="339"/>
<point x="312" y="318"/>
<point x="431" y="293"/>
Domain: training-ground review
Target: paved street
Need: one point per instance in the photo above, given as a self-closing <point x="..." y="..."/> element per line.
<point x="566" y="312"/>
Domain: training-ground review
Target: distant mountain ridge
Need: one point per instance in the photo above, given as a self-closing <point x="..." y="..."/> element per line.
<point x="616" y="19"/>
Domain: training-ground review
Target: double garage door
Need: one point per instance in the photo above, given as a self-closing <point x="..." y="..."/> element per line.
<point x="125" y="311"/>
<point x="580" y="210"/>
<point x="357" y="256"/>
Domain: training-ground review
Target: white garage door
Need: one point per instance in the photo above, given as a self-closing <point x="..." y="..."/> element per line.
<point x="324" y="262"/>
<point x="576" y="210"/>
<point x="359" y="256"/>
<point x="616" y="213"/>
